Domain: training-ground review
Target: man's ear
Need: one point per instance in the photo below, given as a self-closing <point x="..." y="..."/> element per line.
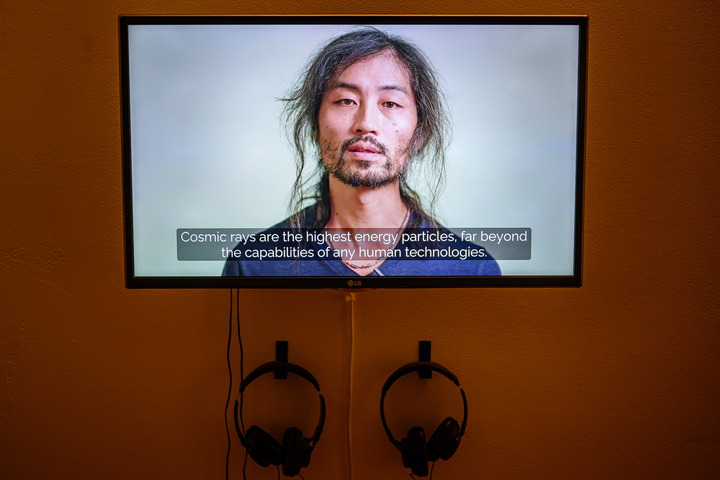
<point x="315" y="132"/>
<point x="418" y="141"/>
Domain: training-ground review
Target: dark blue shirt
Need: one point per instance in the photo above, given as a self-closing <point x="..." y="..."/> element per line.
<point x="420" y="266"/>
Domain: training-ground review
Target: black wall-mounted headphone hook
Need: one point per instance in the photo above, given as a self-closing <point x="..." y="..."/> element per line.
<point x="281" y="355"/>
<point x="424" y="356"/>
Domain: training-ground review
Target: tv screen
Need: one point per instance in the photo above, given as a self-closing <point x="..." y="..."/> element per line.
<point x="353" y="152"/>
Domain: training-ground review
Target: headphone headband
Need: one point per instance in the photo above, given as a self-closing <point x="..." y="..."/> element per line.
<point x="275" y="367"/>
<point x="414" y="367"/>
<point x="289" y="367"/>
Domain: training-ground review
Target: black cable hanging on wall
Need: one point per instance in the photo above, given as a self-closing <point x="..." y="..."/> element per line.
<point x="227" y="403"/>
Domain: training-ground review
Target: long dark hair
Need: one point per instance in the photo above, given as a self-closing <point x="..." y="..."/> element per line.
<point x="428" y="144"/>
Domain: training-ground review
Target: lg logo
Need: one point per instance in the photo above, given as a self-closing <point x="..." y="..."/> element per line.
<point x="354" y="283"/>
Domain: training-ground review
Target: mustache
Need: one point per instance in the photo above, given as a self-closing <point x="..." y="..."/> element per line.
<point x="363" y="138"/>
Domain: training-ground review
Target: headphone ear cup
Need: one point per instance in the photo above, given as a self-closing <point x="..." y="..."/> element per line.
<point x="292" y="447"/>
<point x="306" y="452"/>
<point x="417" y="452"/>
<point x="443" y="442"/>
<point x="404" y="448"/>
<point x="262" y="447"/>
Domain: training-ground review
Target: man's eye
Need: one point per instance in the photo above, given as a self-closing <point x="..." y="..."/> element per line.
<point x="391" y="104"/>
<point x="345" y="101"/>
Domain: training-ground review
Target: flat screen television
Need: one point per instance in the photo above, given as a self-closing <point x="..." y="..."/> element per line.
<point x="353" y="152"/>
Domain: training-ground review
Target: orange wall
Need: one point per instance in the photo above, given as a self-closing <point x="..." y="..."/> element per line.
<point x="617" y="379"/>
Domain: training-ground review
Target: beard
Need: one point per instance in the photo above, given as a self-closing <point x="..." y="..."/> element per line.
<point x="359" y="173"/>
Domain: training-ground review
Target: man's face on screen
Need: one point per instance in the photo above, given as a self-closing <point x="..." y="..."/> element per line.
<point x="366" y="122"/>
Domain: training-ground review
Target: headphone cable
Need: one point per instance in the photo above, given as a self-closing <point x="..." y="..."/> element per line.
<point x="227" y="430"/>
<point x="350" y="297"/>
<point x="242" y="376"/>
<point x="227" y="403"/>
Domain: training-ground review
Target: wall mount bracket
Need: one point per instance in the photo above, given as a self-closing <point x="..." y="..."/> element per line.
<point x="424" y="356"/>
<point x="281" y="355"/>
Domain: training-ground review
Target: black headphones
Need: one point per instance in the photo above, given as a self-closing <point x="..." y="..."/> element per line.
<point x="445" y="439"/>
<point x="294" y="453"/>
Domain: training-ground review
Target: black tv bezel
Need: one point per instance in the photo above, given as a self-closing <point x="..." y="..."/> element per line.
<point x="358" y="282"/>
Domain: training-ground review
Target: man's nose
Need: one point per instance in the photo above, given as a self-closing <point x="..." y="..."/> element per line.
<point x="366" y="120"/>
